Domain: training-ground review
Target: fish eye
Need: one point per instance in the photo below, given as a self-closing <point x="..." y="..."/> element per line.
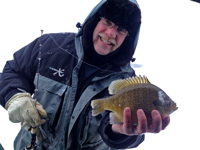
<point x="169" y="104"/>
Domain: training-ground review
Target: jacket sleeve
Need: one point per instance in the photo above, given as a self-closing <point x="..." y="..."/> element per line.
<point x="19" y="73"/>
<point x="118" y="142"/>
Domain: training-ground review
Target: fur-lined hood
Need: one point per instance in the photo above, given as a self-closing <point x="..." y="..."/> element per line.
<point x="127" y="49"/>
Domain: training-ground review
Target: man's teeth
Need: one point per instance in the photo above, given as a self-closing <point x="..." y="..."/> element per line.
<point x="105" y="41"/>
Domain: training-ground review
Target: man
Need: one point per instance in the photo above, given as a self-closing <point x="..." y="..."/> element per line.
<point x="64" y="72"/>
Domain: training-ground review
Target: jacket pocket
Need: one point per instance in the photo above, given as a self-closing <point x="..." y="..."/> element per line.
<point x="90" y="135"/>
<point x="50" y="95"/>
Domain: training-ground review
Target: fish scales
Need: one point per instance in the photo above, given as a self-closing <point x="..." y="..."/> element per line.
<point x="140" y="95"/>
<point x="137" y="97"/>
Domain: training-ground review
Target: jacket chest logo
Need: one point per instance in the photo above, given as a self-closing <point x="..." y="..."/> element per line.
<point x="59" y="71"/>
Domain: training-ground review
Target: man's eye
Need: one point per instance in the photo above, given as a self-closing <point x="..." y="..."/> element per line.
<point x="121" y="30"/>
<point x="107" y="21"/>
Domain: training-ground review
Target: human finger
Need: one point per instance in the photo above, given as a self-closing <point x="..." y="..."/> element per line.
<point x="41" y="110"/>
<point x="26" y="126"/>
<point x="156" y="125"/>
<point x="29" y="120"/>
<point x="165" y="121"/>
<point x="33" y="117"/>
<point x="127" y="122"/>
<point x="142" y="122"/>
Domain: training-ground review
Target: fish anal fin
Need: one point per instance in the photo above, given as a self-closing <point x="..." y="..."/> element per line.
<point x="114" y="119"/>
<point x="97" y="107"/>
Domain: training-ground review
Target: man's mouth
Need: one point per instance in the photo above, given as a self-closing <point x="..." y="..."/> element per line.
<point x="105" y="41"/>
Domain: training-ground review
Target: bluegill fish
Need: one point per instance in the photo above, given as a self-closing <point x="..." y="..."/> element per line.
<point x="136" y="93"/>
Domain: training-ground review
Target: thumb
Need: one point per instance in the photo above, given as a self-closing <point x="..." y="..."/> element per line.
<point x="41" y="110"/>
<point x="42" y="121"/>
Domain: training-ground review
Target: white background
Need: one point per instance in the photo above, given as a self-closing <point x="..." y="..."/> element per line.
<point x="168" y="49"/>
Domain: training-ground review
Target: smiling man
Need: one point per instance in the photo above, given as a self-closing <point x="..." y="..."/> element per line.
<point x="65" y="71"/>
<point x="107" y="37"/>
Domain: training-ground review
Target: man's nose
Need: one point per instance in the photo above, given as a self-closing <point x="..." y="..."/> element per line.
<point x="111" y="32"/>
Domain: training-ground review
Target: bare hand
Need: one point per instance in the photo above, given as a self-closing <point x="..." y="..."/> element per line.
<point x="159" y="123"/>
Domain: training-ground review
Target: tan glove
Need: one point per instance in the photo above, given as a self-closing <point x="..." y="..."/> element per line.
<point x="22" y="108"/>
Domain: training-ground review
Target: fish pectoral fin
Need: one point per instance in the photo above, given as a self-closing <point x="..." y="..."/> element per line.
<point x="146" y="111"/>
<point x="138" y="107"/>
<point x="114" y="119"/>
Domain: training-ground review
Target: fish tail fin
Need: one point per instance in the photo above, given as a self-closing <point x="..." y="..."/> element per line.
<point x="97" y="107"/>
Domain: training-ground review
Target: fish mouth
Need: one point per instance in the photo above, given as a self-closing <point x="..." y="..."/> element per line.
<point x="174" y="108"/>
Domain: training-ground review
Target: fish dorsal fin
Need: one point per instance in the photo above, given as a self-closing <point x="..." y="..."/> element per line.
<point x="118" y="84"/>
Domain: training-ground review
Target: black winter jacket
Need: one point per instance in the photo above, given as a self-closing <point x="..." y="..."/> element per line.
<point x="51" y="64"/>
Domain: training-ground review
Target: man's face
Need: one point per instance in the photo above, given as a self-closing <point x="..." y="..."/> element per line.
<point x="107" y="37"/>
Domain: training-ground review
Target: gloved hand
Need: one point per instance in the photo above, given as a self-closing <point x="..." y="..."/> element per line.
<point x="22" y="108"/>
